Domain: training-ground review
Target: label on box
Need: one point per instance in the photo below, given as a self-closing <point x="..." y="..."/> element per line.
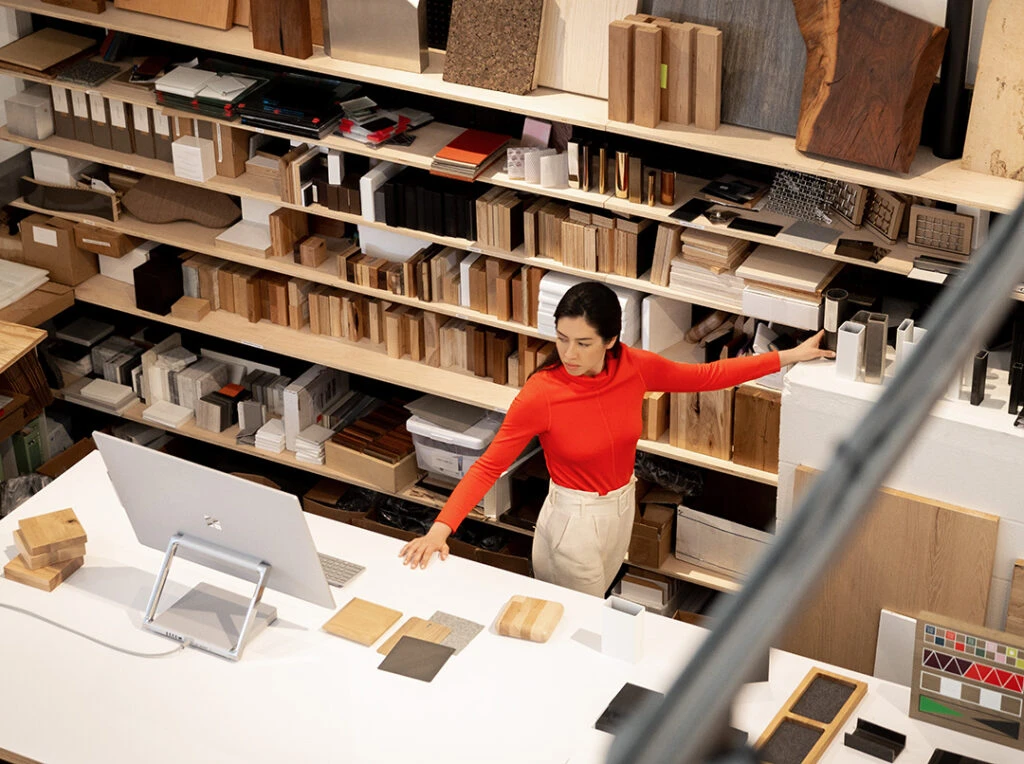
<point x="161" y="124"/>
<point x="218" y="142"/>
<point x="41" y="235"/>
<point x="99" y="111"/>
<point x="96" y="242"/>
<point x="60" y="99"/>
<point x="117" y="116"/>
<point x="140" y="115"/>
<point x="80" y="104"/>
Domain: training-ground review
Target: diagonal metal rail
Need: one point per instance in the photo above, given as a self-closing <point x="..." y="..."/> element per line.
<point x="687" y="726"/>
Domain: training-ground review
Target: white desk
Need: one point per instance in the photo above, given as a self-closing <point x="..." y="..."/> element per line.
<point x="301" y="695"/>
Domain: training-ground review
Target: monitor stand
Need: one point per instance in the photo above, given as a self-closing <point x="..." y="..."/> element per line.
<point x="207" y="617"/>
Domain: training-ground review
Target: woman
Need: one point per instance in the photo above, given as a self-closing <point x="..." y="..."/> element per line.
<point x="585" y="403"/>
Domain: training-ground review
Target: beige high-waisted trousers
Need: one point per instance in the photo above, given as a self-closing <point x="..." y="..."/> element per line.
<point x="582" y="537"/>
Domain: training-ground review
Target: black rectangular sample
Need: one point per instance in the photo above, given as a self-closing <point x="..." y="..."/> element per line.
<point x="858" y="249"/>
<point x="625" y="703"/>
<point x="875" y="740"/>
<point x="736" y="191"/>
<point x="755" y="226"/>
<point x="410" y="207"/>
<point x="1016" y="385"/>
<point x="691" y="210"/>
<point x="450" y="206"/>
<point x="948" y="757"/>
<point x="158" y="285"/>
<point x="390" y="204"/>
<point x="978" y="377"/>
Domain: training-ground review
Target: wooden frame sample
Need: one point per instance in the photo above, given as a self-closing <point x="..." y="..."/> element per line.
<point x="821" y="693"/>
<point x="969" y="679"/>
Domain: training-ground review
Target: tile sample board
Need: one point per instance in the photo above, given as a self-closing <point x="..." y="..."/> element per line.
<point x="763" y="60"/>
<point x="994" y="144"/>
<point x="361" y="621"/>
<point x="416" y="658"/>
<point x="909" y="554"/>
<point x="494" y="45"/>
<point x="573" y="52"/>
<point x="626" y="702"/>
<point x="462" y="631"/>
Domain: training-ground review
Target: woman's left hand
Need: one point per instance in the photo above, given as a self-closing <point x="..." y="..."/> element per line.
<point x="807" y="350"/>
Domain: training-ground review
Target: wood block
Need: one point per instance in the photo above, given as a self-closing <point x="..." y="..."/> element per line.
<point x="428" y="631"/>
<point x="678" y="44"/>
<point x="432" y="338"/>
<point x="219" y="14"/>
<point x="242" y="13"/>
<point x="908" y="554"/>
<point x="516" y="292"/>
<point x="647" y="75"/>
<point x="358" y="318"/>
<point x="337" y="324"/>
<point x="282" y="26"/>
<point x="312" y="251"/>
<point x="287" y="228"/>
<point x="756" y="420"/>
<point x="52" y="531"/>
<point x="375" y="308"/>
<point x="396" y="332"/>
<point x="1015" y="610"/>
<point x="707" y="94"/>
<point x="853" y="108"/>
<point x="703" y="422"/>
<point x="231" y="149"/>
<point x="499" y="347"/>
<point x="476" y="339"/>
<point x="529" y="618"/>
<point x="89" y="6"/>
<point x="655" y="415"/>
<point x="478" y="284"/>
<point x="316" y="22"/>
<point x="36" y="561"/>
<point x="503" y="300"/>
<point x="46" y="578"/>
<point x="362" y="621"/>
<point x="620" y="71"/>
<point x="190" y="308"/>
<point x="414" y="331"/>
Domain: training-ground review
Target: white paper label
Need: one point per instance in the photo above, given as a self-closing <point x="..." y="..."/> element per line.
<point x="96" y="242"/>
<point x="80" y="104"/>
<point x="140" y="115"/>
<point x="96" y="106"/>
<point x="117" y="115"/>
<point x="161" y="124"/>
<point x="45" y="236"/>
<point x="218" y="143"/>
<point x="60" y="99"/>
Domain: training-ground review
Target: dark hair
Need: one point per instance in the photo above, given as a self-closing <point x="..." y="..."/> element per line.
<point x="596" y="304"/>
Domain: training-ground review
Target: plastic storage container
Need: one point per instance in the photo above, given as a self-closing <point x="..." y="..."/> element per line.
<point x="449" y="453"/>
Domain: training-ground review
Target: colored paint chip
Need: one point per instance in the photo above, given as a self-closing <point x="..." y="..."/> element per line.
<point x="970" y="641"/>
<point x="930" y="706"/>
<point x="929" y="629"/>
<point x="960" y="646"/>
<point x="951" y="635"/>
<point x="980" y="652"/>
<point x="940" y="641"/>
<point x="1011" y="652"/>
<point x="1020" y="663"/>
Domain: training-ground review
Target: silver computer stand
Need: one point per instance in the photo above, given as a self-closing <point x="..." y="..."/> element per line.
<point x="208" y="617"/>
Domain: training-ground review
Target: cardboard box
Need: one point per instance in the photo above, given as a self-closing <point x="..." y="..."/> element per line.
<point x="67" y="459"/>
<point x="50" y="243"/>
<point x="322" y="500"/>
<point x="651" y="542"/>
<point x="104" y="242"/>
<point x="387" y="477"/>
<point x="712" y="542"/>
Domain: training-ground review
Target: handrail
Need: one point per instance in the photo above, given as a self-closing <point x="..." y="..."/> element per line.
<point x="687" y="726"/>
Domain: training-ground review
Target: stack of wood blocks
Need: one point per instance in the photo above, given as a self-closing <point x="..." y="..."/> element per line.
<point x="380" y="434"/>
<point x="664" y="71"/>
<point x="50" y="548"/>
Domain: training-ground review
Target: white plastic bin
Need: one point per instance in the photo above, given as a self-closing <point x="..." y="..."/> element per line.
<point x="449" y="453"/>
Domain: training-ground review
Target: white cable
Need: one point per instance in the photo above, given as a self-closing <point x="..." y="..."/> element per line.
<point x="124" y="650"/>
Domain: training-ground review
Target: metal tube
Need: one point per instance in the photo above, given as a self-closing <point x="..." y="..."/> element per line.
<point x="685" y="726"/>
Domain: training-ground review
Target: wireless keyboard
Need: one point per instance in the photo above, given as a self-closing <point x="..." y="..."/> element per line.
<point x="337" y="571"/>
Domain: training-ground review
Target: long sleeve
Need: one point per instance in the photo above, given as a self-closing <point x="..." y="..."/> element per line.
<point x="662" y="375"/>
<point x="527" y="417"/>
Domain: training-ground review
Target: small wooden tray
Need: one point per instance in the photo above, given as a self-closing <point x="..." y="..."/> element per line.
<point x="361" y="621"/>
<point x="529" y="618"/>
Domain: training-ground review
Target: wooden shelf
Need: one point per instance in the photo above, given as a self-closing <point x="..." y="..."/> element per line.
<point x="685" y="571"/>
<point x="662" y="448"/>
<point x="930" y="177"/>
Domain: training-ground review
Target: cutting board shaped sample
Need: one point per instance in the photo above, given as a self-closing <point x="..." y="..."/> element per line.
<point x="361" y="621"/>
<point x="763" y="58"/>
<point x="416" y="658"/>
<point x="494" y="45"/>
<point x="869" y="71"/>
<point x="46" y="578"/>
<point x="909" y="554"/>
<point x="219" y="14"/>
<point x="529" y="618"/>
<point x="573" y="53"/>
<point x="994" y="143"/>
<point x="416" y="627"/>
<point x="52" y="531"/>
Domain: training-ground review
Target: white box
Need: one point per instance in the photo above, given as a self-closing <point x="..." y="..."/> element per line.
<point x="716" y="543"/>
<point x="60" y="170"/>
<point x="788" y="311"/>
<point x="622" y="632"/>
<point x="121" y="268"/>
<point x="30" y="113"/>
<point x="450" y="453"/>
<point x="194" y="158"/>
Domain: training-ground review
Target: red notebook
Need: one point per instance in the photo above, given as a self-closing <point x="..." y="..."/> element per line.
<point x="472" y="147"/>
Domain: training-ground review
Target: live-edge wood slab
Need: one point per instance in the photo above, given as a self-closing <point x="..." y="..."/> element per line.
<point x="361" y="621"/>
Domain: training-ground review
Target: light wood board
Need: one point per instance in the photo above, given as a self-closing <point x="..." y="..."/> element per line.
<point x="702" y="422"/>
<point x="573" y="53"/>
<point x="756" y="420"/>
<point x="219" y="14"/>
<point x="52" y="531"/>
<point x="428" y="631"/>
<point x="1015" y="611"/>
<point x="36" y="561"/>
<point x="910" y="554"/>
<point x="529" y="618"/>
<point x="763" y="59"/>
<point x="361" y="621"/>
<point x="15" y="341"/>
<point x="47" y="578"/>
<point x="994" y="143"/>
<point x="43" y="49"/>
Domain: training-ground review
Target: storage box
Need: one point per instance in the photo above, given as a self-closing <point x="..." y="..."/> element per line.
<point x="712" y="542"/>
<point x="30" y="113"/>
<point x="447" y="452"/>
<point x="651" y="541"/>
<point x="123" y="268"/>
<point x="194" y="158"/>
<point x="388" y="477"/>
<point x="50" y="243"/>
<point x="104" y="242"/>
<point x="322" y="500"/>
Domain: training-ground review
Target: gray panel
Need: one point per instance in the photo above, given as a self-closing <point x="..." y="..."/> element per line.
<point x="763" y="60"/>
<point x="391" y="33"/>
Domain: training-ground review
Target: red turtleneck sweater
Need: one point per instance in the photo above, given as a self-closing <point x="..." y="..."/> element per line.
<point x="589" y="426"/>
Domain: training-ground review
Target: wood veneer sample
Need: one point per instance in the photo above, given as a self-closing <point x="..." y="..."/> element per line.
<point x="756" y="421"/>
<point x="702" y="422"/>
<point x="190" y="308"/>
<point x="869" y="71"/>
<point x="219" y="14"/>
<point x="428" y="631"/>
<point x="36" y="561"/>
<point x="909" y="554"/>
<point x="282" y="26"/>
<point x="529" y="618"/>
<point x="416" y="658"/>
<point x="678" y="46"/>
<point x="494" y="45"/>
<point x="46" y="578"/>
<point x="41" y="50"/>
<point x="707" y="93"/>
<point x="646" y="75"/>
<point x="52" y="531"/>
<point x="362" y="621"/>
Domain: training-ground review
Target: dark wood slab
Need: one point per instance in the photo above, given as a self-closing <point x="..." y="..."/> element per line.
<point x="869" y="71"/>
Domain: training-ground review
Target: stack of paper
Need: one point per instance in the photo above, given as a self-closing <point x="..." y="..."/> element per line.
<point x="167" y="414"/>
<point x="185" y="81"/>
<point x="554" y="285"/>
<point x="686" y="276"/>
<point x="309" y="445"/>
<point x="270" y="437"/>
<point x="714" y="251"/>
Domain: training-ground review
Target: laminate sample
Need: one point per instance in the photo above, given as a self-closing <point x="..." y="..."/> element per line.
<point x="707" y="89"/>
<point x="428" y="631"/>
<point x="624" y="705"/>
<point x="869" y="71"/>
<point x="462" y="631"/>
<point x="909" y="554"/>
<point x="529" y="618"/>
<point x="763" y="61"/>
<point x="494" y="45"/>
<point x="756" y="420"/>
<point x="361" y="621"/>
<point x="416" y="659"/>
<point x="993" y="144"/>
<point x="391" y="33"/>
<point x="702" y="422"/>
<point x="646" y="75"/>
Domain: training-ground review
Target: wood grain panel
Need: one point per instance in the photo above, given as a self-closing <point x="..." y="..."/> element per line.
<point x="361" y="621"/>
<point x="428" y="631"/>
<point x="219" y="14"/>
<point x="1015" y="611"/>
<point x="909" y="554"/>
<point x="756" y="421"/>
<point x="702" y="422"/>
<point x="529" y="618"/>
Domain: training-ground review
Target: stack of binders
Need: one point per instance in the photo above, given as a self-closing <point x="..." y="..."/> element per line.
<point x="50" y="548"/>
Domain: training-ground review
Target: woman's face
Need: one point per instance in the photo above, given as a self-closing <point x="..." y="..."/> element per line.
<point x="580" y="348"/>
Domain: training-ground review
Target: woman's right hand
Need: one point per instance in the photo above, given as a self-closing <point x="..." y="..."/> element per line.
<point x="418" y="552"/>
